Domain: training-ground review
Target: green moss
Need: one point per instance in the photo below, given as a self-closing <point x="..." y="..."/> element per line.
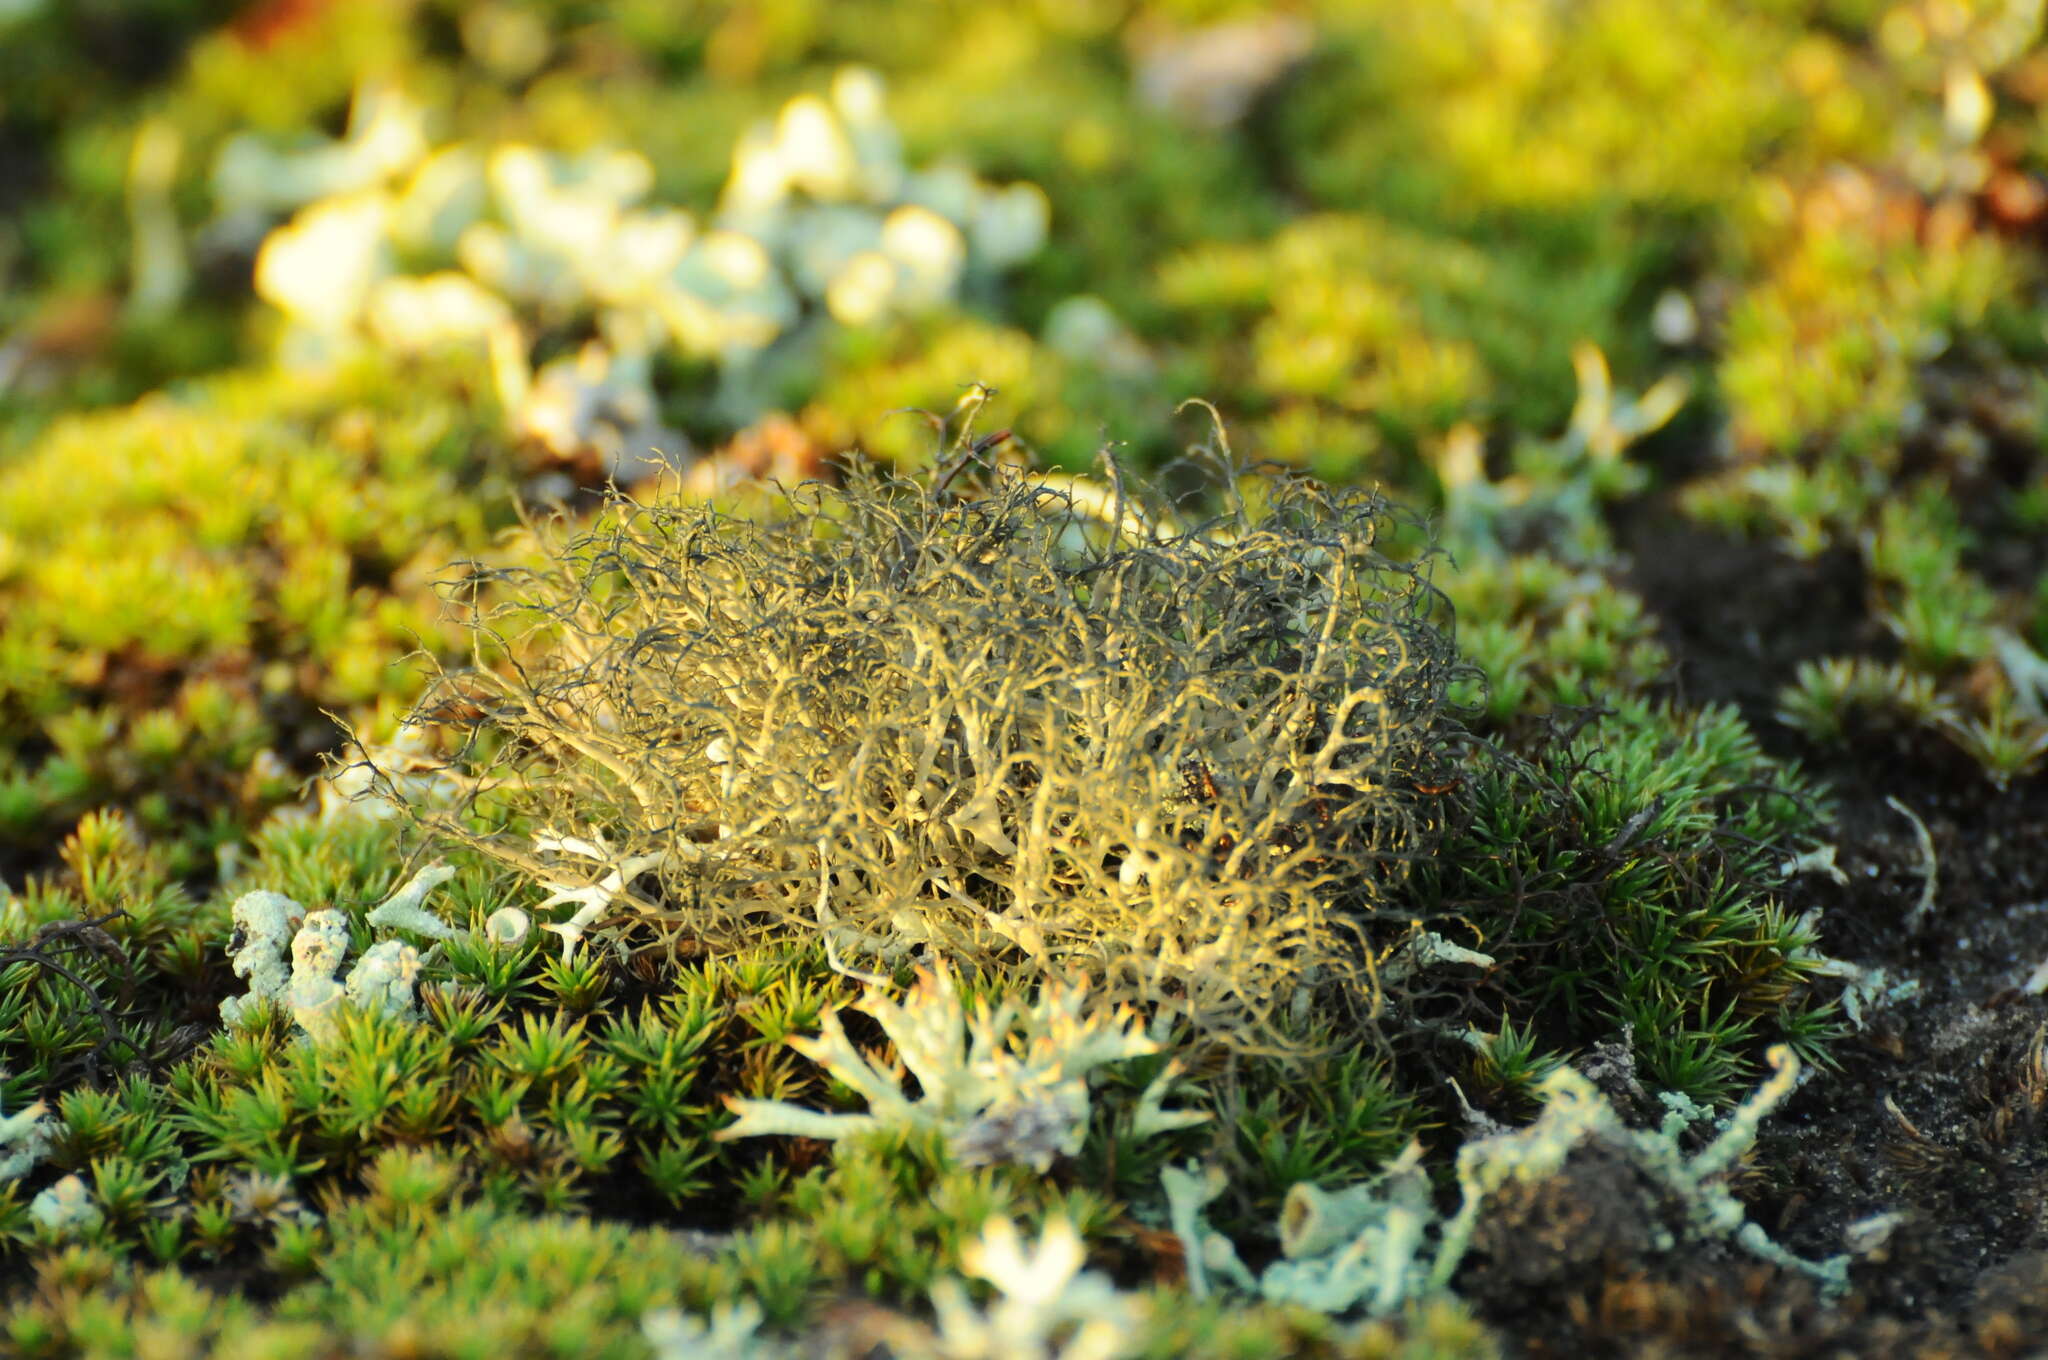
<point x="1545" y="635"/>
<point x="1630" y="102"/>
<point x="189" y="581"/>
<point x="1831" y="342"/>
<point x="1621" y="877"/>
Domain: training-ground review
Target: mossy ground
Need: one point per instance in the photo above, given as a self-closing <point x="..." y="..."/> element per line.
<point x="1711" y="643"/>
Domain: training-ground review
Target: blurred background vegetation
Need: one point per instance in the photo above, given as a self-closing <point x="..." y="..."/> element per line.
<point x="373" y="273"/>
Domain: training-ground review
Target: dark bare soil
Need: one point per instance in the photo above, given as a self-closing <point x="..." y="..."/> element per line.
<point x="1738" y="616"/>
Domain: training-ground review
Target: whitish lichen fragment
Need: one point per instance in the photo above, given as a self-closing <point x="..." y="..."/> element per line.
<point x="65" y="1208"/>
<point x="258" y="950"/>
<point x="403" y="910"/>
<point x="1045" y="1304"/>
<point x="507" y="927"/>
<point x="383" y="979"/>
<point x="24" y="1137"/>
<point x="996" y="1095"/>
<point x="317" y="951"/>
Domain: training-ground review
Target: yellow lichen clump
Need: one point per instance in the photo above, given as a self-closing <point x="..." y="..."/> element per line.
<point x="1032" y="718"/>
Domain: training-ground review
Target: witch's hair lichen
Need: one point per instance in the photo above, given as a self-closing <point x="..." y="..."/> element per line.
<point x="1003" y="714"/>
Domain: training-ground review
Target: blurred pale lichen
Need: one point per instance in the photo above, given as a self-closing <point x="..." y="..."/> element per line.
<point x="1047" y="1307"/>
<point x="396" y="243"/>
<point x="1566" y="480"/>
<point x="24" y="1137"/>
<point x="65" y="1208"/>
<point x="729" y="1333"/>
